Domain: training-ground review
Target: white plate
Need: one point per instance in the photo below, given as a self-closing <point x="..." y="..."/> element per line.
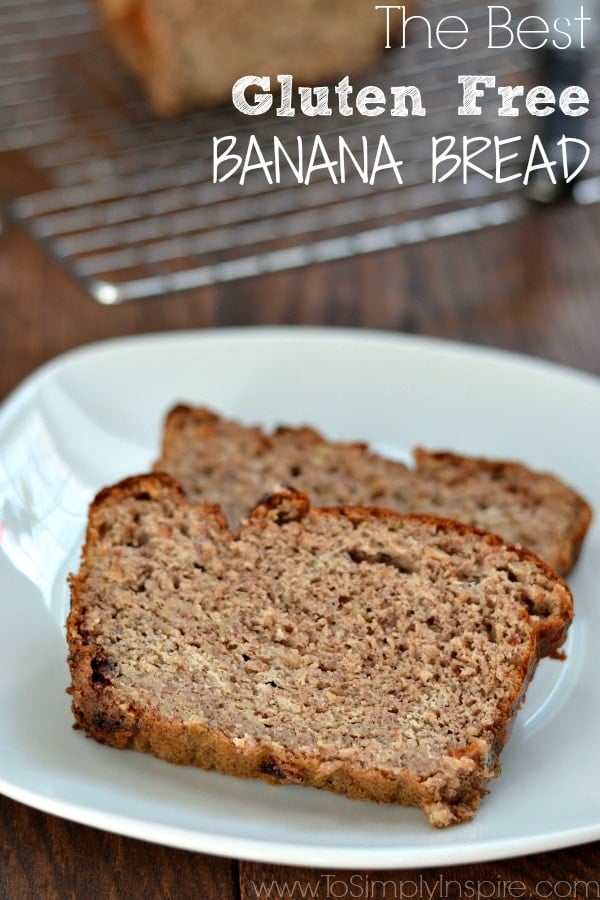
<point x="94" y="416"/>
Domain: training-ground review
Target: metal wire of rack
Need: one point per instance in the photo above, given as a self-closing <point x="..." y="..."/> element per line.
<point x="131" y="208"/>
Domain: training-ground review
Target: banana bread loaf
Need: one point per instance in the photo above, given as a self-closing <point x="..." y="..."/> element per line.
<point x="190" y="52"/>
<point x="229" y="464"/>
<point x="375" y="655"/>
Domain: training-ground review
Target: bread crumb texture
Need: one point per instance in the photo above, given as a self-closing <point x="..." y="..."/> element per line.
<point x="230" y="464"/>
<point x="375" y="655"/>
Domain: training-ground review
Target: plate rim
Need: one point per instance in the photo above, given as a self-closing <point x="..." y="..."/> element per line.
<point x="478" y="352"/>
<point x="298" y="854"/>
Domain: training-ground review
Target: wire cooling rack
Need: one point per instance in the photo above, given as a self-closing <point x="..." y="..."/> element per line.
<point x="130" y="206"/>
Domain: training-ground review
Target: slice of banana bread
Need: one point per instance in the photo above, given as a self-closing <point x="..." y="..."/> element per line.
<point x="223" y="462"/>
<point x="376" y="655"/>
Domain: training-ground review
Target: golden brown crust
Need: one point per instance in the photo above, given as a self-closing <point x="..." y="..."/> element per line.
<point x="568" y="554"/>
<point x="136" y="484"/>
<point x="105" y="717"/>
<point x="111" y="717"/>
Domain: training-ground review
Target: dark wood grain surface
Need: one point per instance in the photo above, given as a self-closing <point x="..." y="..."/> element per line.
<point x="533" y="287"/>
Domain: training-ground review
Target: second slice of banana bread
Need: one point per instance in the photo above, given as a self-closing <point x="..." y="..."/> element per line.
<point x="224" y="462"/>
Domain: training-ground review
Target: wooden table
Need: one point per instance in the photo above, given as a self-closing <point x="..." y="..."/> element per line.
<point x="533" y="287"/>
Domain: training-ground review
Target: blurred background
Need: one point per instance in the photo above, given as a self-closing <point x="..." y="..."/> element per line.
<point x="125" y="200"/>
<point x="105" y="202"/>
